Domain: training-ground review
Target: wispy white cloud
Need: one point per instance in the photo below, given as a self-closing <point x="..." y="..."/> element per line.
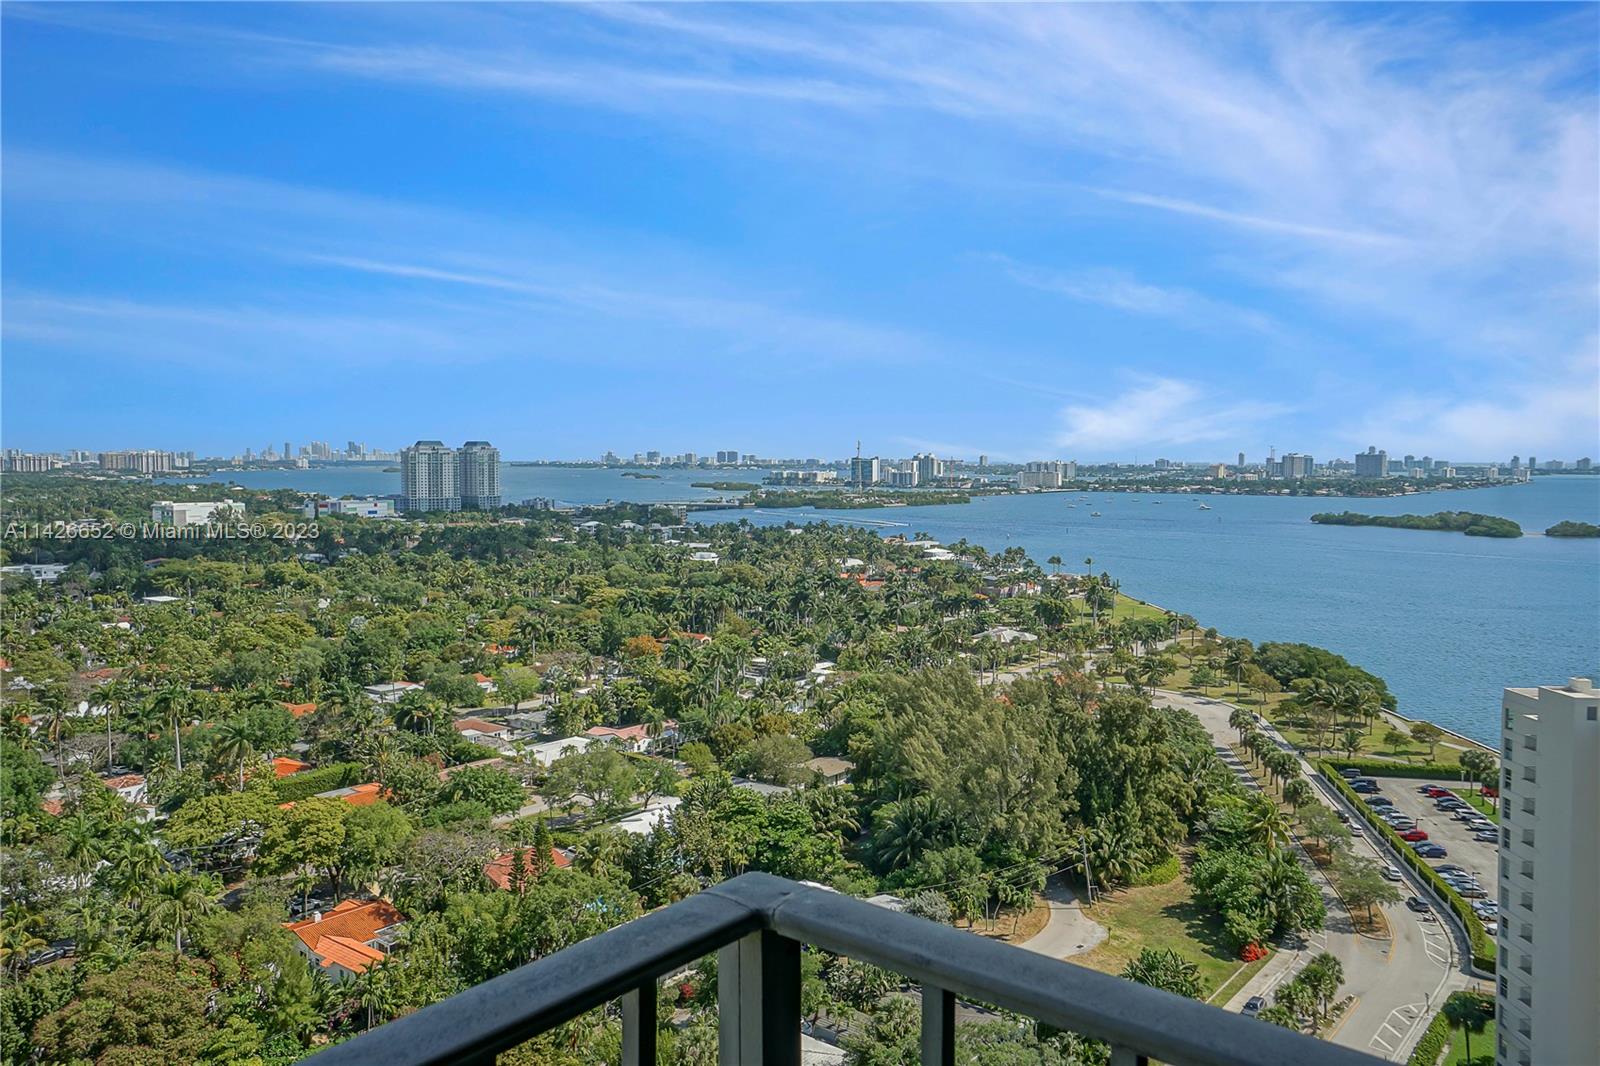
<point x="1121" y="291"/>
<point x="1162" y="411"/>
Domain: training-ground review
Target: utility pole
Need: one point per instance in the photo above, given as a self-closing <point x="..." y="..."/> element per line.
<point x="1088" y="873"/>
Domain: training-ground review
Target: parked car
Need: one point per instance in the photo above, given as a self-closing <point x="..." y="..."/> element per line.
<point x="1466" y="814"/>
<point x="1343" y="817"/>
<point x="1492" y="928"/>
<point x="1378" y="801"/>
<point x="1418" y="904"/>
<point x="1488" y="836"/>
<point x="1430" y="850"/>
<point x="1391" y="874"/>
<point x="1402" y="825"/>
<point x="1253" y="1006"/>
<point x="1434" y="791"/>
<point x="1363" y="786"/>
<point x="1472" y="891"/>
<point x="1349" y="773"/>
<point x="1450" y="868"/>
<point x="1413" y="835"/>
<point x="1356" y="830"/>
<point x="1486" y="907"/>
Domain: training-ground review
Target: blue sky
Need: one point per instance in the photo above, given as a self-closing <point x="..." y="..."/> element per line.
<point x="1033" y="231"/>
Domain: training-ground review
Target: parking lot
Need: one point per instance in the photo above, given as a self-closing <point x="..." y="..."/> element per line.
<point x="1479" y="856"/>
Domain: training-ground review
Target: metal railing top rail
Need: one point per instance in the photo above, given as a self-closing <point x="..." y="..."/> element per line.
<point x="474" y="1025"/>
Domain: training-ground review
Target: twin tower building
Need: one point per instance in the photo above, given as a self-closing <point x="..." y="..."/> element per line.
<point x="436" y="478"/>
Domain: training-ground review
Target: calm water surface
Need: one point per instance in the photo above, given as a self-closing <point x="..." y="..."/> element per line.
<point x="1447" y="620"/>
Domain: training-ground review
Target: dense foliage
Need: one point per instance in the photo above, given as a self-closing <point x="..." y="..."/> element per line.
<point x="1573" y="529"/>
<point x="1468" y="522"/>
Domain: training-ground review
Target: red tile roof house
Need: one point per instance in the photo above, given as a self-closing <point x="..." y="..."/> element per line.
<point x="634" y="738"/>
<point x="498" y="869"/>
<point x="283" y="766"/>
<point x="129" y="786"/>
<point x="348" y="939"/>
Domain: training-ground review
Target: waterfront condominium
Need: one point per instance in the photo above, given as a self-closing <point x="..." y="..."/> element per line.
<point x="1548" y="974"/>
<point x="428" y="477"/>
<point x="478" y="475"/>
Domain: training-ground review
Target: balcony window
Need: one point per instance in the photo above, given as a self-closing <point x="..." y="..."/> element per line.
<point x="1530" y="774"/>
<point x="1527" y="837"/>
<point x="1530" y="742"/>
<point x="1528" y="806"/>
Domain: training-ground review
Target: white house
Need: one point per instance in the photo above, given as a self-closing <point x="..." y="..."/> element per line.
<point x="551" y="750"/>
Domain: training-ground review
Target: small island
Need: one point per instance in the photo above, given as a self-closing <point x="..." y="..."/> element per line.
<point x="641" y="477"/>
<point x="1468" y="522"/>
<point x="725" y="486"/>
<point x="1573" y="529"/>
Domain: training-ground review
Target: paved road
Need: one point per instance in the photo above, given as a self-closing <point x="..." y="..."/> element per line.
<point x="1394" y="981"/>
<point x="1069" y="931"/>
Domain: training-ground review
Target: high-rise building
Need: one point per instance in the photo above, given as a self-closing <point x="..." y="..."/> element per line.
<point x="1548" y="962"/>
<point x="1372" y="463"/>
<point x="428" y="477"/>
<point x="1295" y="465"/>
<point x="983" y="461"/>
<point x="865" y="471"/>
<point x="288" y="451"/>
<point x="1046" y="475"/>
<point x="929" y="468"/>
<point x="1583" y="464"/>
<point x="139" y="462"/>
<point x="478" y="475"/>
<point x="1241" y="462"/>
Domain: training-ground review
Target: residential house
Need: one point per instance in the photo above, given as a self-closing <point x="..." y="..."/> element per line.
<point x="498" y="869"/>
<point x="130" y="787"/>
<point x="633" y="738"/>
<point x="283" y="766"/>
<point x="833" y="771"/>
<point x="390" y="691"/>
<point x="654" y="813"/>
<point x="548" y="752"/>
<point x="347" y="940"/>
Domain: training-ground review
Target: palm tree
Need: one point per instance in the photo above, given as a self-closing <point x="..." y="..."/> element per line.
<point x="233" y="745"/>
<point x="177" y="901"/>
<point x="1239" y="655"/>
<point x="19" y="936"/>
<point x="1266" y="823"/>
<point x="171" y="704"/>
<point x="1298" y="792"/>
<point x="1241" y="720"/>
<point x="1469" y="1013"/>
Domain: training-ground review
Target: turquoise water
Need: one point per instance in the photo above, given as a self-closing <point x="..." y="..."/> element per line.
<point x="1447" y="620"/>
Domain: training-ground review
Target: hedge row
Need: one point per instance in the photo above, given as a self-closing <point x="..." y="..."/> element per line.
<point x="308" y="783"/>
<point x="1384" y="768"/>
<point x="1483" y="947"/>
<point x="1435" y="1037"/>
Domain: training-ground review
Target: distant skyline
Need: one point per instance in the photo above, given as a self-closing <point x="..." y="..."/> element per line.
<point x="1078" y="231"/>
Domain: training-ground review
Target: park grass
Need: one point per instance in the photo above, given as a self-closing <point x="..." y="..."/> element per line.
<point x="1128" y="608"/>
<point x="1373" y="745"/>
<point x="1161" y="916"/>
<point x="1240" y="978"/>
<point x="1480" y="803"/>
<point x="1482" y="1048"/>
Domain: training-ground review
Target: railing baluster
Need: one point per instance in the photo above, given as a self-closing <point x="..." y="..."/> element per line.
<point x="758" y="1001"/>
<point x="938" y="1026"/>
<point x="1127" y="1056"/>
<point x="639" y="1026"/>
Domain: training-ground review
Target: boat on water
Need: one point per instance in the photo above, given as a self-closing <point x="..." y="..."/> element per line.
<point x="1094" y="514"/>
<point x="1205" y="507"/>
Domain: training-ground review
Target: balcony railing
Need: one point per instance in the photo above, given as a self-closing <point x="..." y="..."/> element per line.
<point x="758" y="923"/>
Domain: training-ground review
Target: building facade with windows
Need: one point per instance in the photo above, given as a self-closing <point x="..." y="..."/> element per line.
<point x="478" y="476"/>
<point x="428" y="477"/>
<point x="1547" y="1003"/>
<point x="1372" y="463"/>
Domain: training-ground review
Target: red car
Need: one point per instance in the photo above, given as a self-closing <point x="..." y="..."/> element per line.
<point x="1435" y="792"/>
<point x="1413" y="835"/>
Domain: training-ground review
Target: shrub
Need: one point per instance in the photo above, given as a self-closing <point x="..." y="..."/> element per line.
<point x="308" y="783"/>
<point x="1436" y="1036"/>
<point x="1159" y="874"/>
<point x="1441" y="772"/>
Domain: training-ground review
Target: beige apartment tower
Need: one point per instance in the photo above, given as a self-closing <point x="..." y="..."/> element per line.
<point x="1547" y="1005"/>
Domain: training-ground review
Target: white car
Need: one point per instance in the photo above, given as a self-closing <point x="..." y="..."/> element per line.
<point x="1391" y="874"/>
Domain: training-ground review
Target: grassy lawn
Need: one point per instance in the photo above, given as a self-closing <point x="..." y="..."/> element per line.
<point x="1160" y="916"/>
<point x="1012" y="925"/>
<point x="1482" y="1048"/>
<point x="1127" y="607"/>
<point x="1482" y="804"/>
<point x="1239" y="979"/>
<point x="1372" y="745"/>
